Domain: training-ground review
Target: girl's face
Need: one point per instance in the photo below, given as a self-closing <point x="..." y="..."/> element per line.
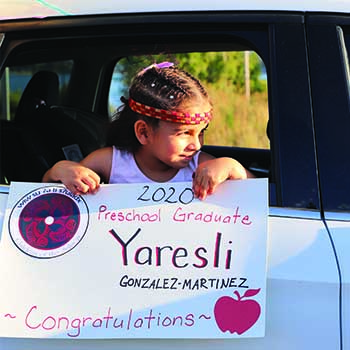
<point x="174" y="144"/>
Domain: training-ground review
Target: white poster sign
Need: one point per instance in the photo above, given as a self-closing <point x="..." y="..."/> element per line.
<point x="134" y="261"/>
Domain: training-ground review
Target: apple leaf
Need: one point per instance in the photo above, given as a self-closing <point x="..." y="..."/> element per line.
<point x="251" y="293"/>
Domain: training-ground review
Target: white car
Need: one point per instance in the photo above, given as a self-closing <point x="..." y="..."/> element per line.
<point x="303" y="48"/>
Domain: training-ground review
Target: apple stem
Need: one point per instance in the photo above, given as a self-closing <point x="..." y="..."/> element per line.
<point x="237" y="294"/>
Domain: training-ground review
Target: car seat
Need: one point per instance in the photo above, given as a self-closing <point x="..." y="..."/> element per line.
<point x="20" y="161"/>
<point x="42" y="89"/>
<point x="43" y="133"/>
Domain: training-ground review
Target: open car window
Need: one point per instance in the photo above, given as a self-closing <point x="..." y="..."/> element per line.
<point x="237" y="85"/>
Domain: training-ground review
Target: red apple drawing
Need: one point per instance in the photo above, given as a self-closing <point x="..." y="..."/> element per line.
<point x="237" y="315"/>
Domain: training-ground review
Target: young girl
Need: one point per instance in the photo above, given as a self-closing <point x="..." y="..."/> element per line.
<point x="156" y="137"/>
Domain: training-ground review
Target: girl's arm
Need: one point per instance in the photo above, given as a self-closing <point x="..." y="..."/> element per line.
<point x="212" y="171"/>
<point x="83" y="177"/>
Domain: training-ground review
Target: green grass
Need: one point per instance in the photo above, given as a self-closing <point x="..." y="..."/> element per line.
<point x="238" y="121"/>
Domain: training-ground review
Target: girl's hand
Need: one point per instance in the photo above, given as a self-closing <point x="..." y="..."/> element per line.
<point x="213" y="172"/>
<point x="76" y="177"/>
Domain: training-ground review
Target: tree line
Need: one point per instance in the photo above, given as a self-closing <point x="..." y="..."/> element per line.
<point x="223" y="69"/>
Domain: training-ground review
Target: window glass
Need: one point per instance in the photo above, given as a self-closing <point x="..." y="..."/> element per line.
<point x="15" y="79"/>
<point x="236" y="82"/>
<point x="333" y="137"/>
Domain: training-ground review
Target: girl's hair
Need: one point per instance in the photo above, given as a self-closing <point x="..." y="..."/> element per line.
<point x="169" y="88"/>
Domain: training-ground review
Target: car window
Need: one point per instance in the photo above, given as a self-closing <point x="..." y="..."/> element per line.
<point x="257" y="111"/>
<point x="15" y="79"/>
<point x="237" y="85"/>
<point x="331" y="96"/>
<point x="236" y="82"/>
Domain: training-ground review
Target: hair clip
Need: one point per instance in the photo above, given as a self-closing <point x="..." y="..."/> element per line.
<point x="164" y="65"/>
<point x="159" y="65"/>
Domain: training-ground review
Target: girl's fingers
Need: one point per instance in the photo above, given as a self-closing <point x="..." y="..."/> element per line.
<point x="92" y="182"/>
<point x="203" y="184"/>
<point x="87" y="184"/>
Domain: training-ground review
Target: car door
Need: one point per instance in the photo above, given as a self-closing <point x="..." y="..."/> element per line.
<point x="302" y="304"/>
<point x="301" y="254"/>
<point x="329" y="44"/>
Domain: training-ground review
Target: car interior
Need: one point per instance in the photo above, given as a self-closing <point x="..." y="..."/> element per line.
<point x="42" y="129"/>
<point x="47" y="127"/>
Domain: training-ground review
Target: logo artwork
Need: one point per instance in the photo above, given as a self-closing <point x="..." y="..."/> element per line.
<point x="48" y="222"/>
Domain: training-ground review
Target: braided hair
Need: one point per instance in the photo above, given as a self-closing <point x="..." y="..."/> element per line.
<point x="170" y="88"/>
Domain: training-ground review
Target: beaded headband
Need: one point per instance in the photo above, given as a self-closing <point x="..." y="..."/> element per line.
<point x="170" y="116"/>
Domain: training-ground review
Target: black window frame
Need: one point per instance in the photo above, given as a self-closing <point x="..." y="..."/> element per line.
<point x="327" y="35"/>
<point x="281" y="43"/>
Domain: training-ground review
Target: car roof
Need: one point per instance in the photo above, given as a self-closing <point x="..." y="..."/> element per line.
<point x="10" y="9"/>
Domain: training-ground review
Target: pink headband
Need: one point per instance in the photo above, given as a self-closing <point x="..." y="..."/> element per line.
<point x="170" y="116"/>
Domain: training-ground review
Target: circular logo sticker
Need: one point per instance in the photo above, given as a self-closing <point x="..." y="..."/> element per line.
<point x="48" y="222"/>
